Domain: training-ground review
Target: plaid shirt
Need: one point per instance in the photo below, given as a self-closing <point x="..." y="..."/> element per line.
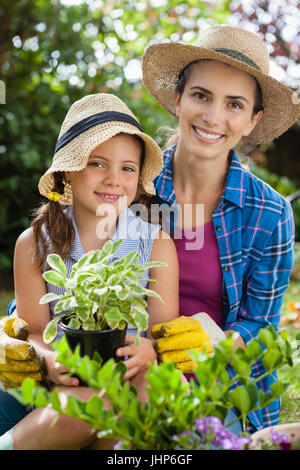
<point x="254" y="228"/>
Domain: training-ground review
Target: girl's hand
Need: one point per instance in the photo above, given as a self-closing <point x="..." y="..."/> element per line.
<point x="56" y="372"/>
<point x="139" y="356"/>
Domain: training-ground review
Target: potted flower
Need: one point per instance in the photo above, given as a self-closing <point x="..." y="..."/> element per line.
<point x="101" y="297"/>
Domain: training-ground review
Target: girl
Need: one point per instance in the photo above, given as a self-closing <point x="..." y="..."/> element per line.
<point x="221" y="92"/>
<point x="103" y="162"/>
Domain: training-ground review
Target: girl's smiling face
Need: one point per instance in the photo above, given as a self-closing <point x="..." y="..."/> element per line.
<point x="215" y="109"/>
<point x="111" y="173"/>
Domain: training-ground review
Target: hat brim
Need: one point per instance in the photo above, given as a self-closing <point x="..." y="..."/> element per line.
<point x="86" y="142"/>
<point x="163" y="63"/>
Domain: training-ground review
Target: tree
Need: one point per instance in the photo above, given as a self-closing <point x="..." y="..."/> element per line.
<point x="54" y="52"/>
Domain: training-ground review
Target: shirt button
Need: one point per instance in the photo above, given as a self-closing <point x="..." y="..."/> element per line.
<point x="218" y="228"/>
<point x="226" y="268"/>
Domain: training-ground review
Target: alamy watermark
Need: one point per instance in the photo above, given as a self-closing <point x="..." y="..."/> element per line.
<point x="185" y="223"/>
<point x="2" y="92"/>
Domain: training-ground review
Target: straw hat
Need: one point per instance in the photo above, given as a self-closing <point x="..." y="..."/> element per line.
<point x="89" y="122"/>
<point x="163" y="63"/>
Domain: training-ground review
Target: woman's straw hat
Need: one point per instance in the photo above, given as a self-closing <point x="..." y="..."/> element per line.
<point x="89" y="122"/>
<point x="164" y="62"/>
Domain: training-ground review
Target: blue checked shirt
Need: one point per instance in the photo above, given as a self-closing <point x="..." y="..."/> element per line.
<point x="254" y="228"/>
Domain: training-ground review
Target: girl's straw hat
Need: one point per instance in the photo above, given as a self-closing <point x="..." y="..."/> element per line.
<point x="163" y="63"/>
<point x="89" y="122"/>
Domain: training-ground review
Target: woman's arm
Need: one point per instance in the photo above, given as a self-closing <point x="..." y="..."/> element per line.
<point x="29" y="288"/>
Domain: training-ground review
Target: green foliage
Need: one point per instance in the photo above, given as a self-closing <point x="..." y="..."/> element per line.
<point x="172" y="407"/>
<point x="100" y="293"/>
<point x="50" y="56"/>
<point x="282" y="184"/>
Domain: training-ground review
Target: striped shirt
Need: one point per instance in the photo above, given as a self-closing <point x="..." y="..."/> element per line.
<point x="254" y="228"/>
<point x="137" y="235"/>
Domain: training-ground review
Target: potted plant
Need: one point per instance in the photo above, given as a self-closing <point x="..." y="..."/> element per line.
<point x="102" y="296"/>
<point x="175" y="416"/>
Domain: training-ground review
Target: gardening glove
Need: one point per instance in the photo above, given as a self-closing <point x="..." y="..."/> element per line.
<point x="18" y="358"/>
<point x="174" y="339"/>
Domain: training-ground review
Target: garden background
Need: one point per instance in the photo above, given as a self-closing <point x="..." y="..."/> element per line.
<point x="53" y="52"/>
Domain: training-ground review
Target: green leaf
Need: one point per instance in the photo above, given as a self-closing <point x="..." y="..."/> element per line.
<point x="74" y="407"/>
<point x="267" y="337"/>
<point x="94" y="406"/>
<point x="54" y="278"/>
<point x="49" y="298"/>
<point x="41" y="399"/>
<point x="241" y="367"/>
<point x="154" y="264"/>
<point x="143" y="291"/>
<point x="253" y="350"/>
<point x="82" y="262"/>
<point x="244" y="398"/>
<point x="278" y="389"/>
<point x="50" y="331"/>
<point x="140" y="318"/>
<point x="65" y="303"/>
<point x="101" y="291"/>
<point x="54" y="400"/>
<point x="55" y="262"/>
<point x="272" y="359"/>
<point x="115" y="318"/>
<point x="74" y="323"/>
<point x="28" y="390"/>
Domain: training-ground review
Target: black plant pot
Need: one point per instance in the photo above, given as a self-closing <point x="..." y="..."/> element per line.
<point x="105" y="342"/>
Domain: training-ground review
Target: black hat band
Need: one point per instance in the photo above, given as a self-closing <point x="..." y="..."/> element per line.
<point x="92" y="121"/>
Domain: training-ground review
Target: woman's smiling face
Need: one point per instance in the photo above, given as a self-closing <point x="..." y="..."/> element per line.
<point x="215" y="109"/>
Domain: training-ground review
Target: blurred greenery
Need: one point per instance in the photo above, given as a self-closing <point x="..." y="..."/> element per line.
<point x="52" y="54"/>
<point x="284" y="186"/>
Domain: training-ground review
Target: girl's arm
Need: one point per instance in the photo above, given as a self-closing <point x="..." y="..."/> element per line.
<point x="168" y="288"/>
<point x="29" y="288"/>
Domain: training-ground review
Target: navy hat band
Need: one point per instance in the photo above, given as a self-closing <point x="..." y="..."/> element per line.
<point x="92" y="121"/>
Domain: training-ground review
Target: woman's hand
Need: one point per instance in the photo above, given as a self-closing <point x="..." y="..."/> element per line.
<point x="139" y="356"/>
<point x="56" y="372"/>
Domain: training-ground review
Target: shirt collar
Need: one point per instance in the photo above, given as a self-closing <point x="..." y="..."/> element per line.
<point x="234" y="190"/>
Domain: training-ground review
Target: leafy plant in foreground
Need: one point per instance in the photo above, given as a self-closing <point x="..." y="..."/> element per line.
<point x="173" y="407"/>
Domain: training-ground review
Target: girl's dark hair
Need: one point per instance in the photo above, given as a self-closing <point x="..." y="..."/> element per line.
<point x="186" y="73"/>
<point x="51" y="219"/>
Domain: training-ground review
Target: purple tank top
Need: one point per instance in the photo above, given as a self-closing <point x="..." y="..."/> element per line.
<point x="200" y="273"/>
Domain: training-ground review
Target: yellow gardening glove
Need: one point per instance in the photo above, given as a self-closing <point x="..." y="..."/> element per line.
<point x="174" y="339"/>
<point x="18" y="358"/>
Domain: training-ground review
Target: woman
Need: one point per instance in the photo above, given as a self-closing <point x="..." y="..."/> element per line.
<point x="221" y="92"/>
